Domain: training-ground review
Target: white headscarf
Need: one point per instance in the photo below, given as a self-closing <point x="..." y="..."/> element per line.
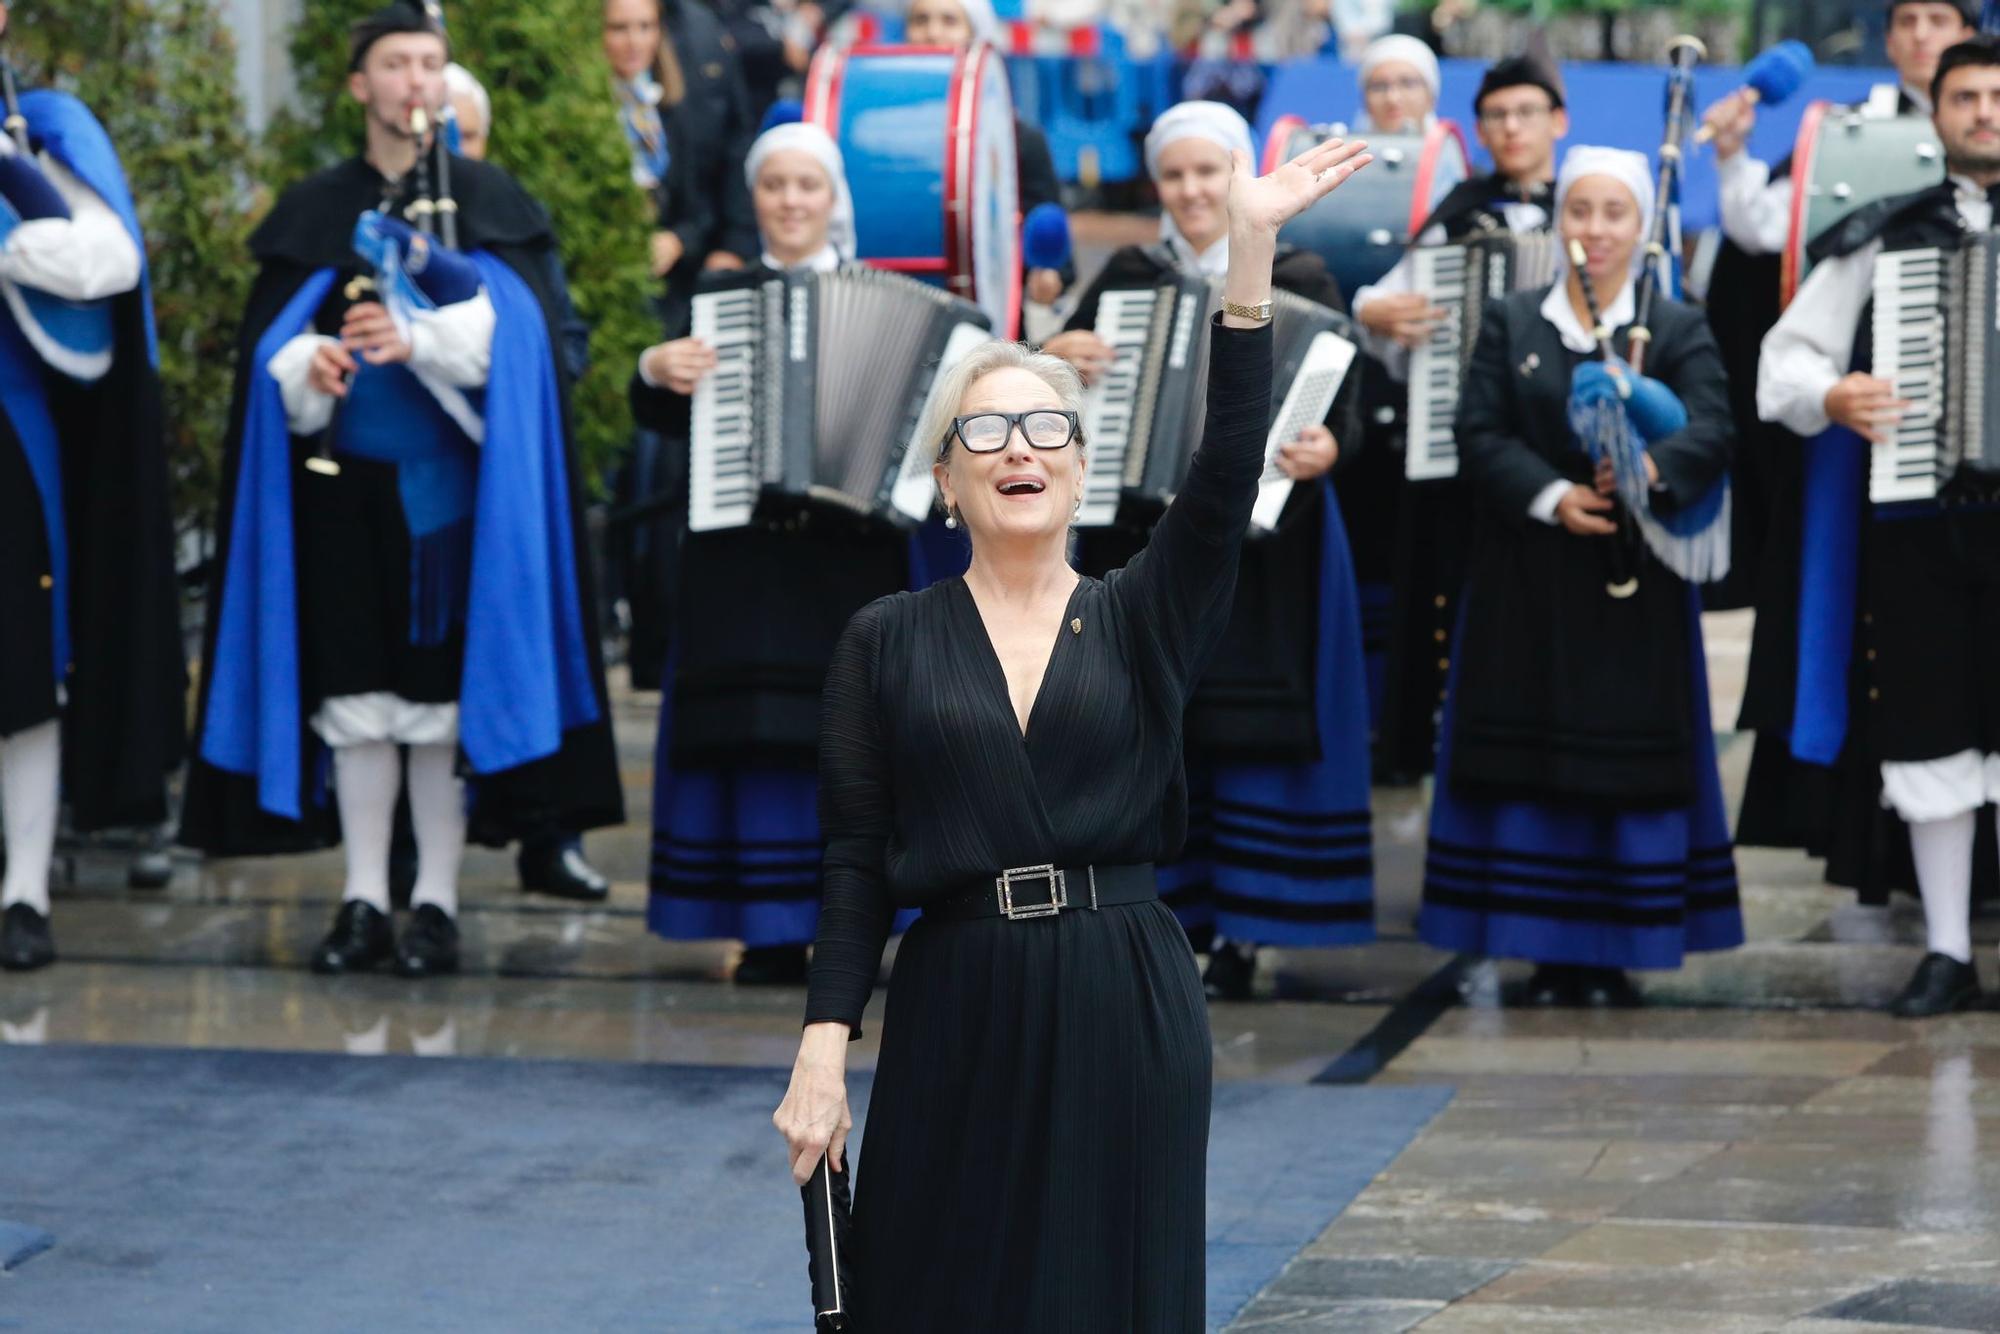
<point x="981" y="18"/>
<point x="1214" y="123"/>
<point x="1399" y="49"/>
<point x="1632" y="170"/>
<point x="817" y="144"/>
<point x="460" y="82"/>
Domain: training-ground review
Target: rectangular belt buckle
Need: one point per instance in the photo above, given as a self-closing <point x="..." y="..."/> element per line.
<point x="1003" y="886"/>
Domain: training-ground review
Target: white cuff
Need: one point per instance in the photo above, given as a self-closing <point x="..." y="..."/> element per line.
<point x="87" y="256"/>
<point x="1542" y="508"/>
<point x="307" y="410"/>
<point x="644" y="378"/>
<point x="453" y="344"/>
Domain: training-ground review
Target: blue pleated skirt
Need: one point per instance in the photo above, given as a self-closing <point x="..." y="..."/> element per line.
<point x="1568" y="885"/>
<point x="1283" y="854"/>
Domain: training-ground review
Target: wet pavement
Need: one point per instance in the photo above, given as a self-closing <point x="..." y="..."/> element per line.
<point x="1759" y="1149"/>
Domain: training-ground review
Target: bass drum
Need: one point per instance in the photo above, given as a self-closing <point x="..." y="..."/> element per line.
<point x="928" y="138"/>
<point x="1844" y="158"/>
<point x="1362" y="228"/>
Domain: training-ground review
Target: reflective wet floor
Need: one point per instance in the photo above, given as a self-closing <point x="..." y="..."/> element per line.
<point x="1759" y="1149"/>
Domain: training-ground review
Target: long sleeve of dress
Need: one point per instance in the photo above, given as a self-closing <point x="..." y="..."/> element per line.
<point x="1692" y="458"/>
<point x="1176" y="591"/>
<point x="855" y="814"/>
<point x="1503" y="470"/>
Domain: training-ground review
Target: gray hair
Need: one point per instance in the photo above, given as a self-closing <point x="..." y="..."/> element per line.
<point x="982" y="361"/>
<point x="461" y="82"/>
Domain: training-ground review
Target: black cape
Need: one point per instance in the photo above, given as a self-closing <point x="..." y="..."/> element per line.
<point x="311" y="228"/>
<point x="124" y="724"/>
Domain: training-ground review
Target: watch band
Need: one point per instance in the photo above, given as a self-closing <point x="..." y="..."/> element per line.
<point x="1261" y="312"/>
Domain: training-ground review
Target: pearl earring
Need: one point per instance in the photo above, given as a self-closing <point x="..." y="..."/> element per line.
<point x="951" y="517"/>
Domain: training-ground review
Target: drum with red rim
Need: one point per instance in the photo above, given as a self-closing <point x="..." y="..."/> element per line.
<point x="928" y="137"/>
<point x="1845" y="157"/>
<point x="1361" y="229"/>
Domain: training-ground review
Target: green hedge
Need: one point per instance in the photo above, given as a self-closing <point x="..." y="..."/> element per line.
<point x="555" y="127"/>
<point x="161" y="75"/>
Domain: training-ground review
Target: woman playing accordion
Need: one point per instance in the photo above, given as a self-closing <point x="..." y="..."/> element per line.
<point x="1279" y="850"/>
<point x="735" y="834"/>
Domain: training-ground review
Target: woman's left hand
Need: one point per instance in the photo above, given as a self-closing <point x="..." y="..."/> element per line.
<point x="1606" y="478"/>
<point x="1311" y="455"/>
<point x="1260" y="205"/>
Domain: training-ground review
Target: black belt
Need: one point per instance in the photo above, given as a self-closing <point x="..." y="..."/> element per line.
<point x="1027" y="892"/>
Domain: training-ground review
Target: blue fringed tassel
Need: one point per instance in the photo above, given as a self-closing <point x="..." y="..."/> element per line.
<point x="1692" y="541"/>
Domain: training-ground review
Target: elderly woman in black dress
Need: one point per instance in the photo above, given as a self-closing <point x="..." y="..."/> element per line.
<point x="1003" y="750"/>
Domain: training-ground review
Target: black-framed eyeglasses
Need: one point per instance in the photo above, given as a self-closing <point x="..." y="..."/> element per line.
<point x="1042" y="428"/>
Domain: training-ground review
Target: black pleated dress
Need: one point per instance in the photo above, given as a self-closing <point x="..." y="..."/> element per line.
<point x="1036" y="1147"/>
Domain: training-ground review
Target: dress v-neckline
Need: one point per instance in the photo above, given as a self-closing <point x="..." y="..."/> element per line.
<point x="1022" y="729"/>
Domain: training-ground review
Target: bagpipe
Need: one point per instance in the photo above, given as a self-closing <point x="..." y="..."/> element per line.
<point x="73" y="337"/>
<point x="410" y="267"/>
<point x="1616" y="410"/>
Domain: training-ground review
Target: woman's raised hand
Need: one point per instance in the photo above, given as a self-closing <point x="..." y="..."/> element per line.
<point x="1263" y="204"/>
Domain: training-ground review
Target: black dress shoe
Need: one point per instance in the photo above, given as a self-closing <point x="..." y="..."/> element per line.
<point x="25" y="940"/>
<point x="1552" y="986"/>
<point x="429" y="947"/>
<point x="771" y="966"/>
<point x="1940" y="985"/>
<point x="361" y="939"/>
<point x="1608" y="989"/>
<point x="150" y="870"/>
<point x="559" y="869"/>
<point x="1232" y="968"/>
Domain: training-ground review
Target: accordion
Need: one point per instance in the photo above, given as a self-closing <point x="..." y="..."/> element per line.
<point x="1143" y="419"/>
<point x="1460" y="279"/>
<point x="820" y="382"/>
<point x="1937" y="340"/>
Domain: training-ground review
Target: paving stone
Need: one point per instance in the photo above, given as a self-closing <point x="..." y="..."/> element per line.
<point x="1441" y="1280"/>
<point x="1924" y="1304"/>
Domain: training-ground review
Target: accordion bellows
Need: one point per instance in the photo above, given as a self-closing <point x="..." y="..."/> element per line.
<point x="1143" y="420"/>
<point x="820" y="382"/>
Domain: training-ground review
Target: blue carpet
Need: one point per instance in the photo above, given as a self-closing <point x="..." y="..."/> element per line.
<point x="201" y="1190"/>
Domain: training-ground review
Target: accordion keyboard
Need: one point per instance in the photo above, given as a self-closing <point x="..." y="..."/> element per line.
<point x="1307" y="401"/>
<point x="1124" y="321"/>
<point x="1910" y="351"/>
<point x="723" y="475"/>
<point x="1441" y="273"/>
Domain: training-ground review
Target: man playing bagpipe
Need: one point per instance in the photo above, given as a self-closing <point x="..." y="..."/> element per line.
<point x="92" y="681"/>
<point x="401" y="561"/>
<point x="1898" y="681"/>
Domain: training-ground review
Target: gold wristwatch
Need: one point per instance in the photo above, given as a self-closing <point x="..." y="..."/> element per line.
<point x="1261" y="312"/>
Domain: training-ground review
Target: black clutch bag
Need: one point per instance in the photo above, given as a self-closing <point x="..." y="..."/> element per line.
<point x="829" y="1240"/>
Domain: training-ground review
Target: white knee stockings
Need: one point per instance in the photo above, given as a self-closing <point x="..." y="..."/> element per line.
<point x="367" y="778"/>
<point x="30" y="792"/>
<point x="437" y="809"/>
<point x="1942" y="850"/>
